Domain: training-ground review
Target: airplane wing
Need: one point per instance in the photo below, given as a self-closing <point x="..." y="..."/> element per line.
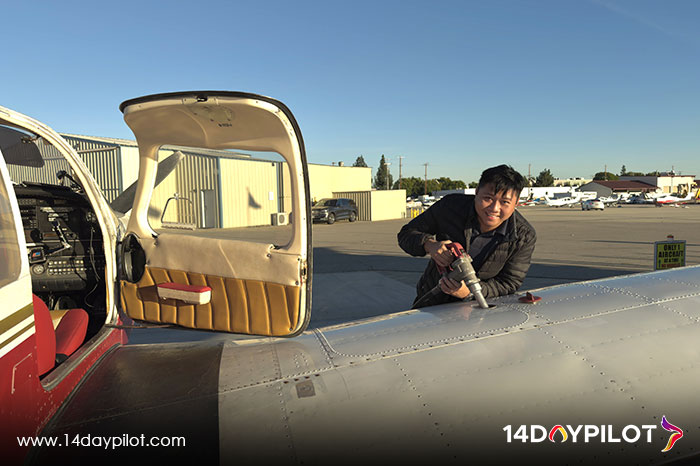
<point x="586" y="374"/>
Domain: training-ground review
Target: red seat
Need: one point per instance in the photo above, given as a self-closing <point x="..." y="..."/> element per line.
<point x="60" y="343"/>
<point x="70" y="333"/>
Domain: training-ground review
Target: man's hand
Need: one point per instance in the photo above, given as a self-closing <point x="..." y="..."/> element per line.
<point x="438" y="251"/>
<point x="453" y="288"/>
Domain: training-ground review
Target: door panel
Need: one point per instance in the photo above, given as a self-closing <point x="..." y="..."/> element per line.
<point x="240" y="306"/>
<point x="255" y="288"/>
<point x="255" y="268"/>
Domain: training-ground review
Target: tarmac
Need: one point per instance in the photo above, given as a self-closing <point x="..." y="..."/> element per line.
<point x="359" y="271"/>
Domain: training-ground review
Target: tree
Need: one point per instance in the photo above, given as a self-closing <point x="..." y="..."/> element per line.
<point x="474" y="184"/>
<point x="383" y="178"/>
<point x="413" y="185"/>
<point x="360" y="162"/>
<point x="434" y="185"/>
<point x="623" y="171"/>
<point x="446" y="183"/>
<point x="603" y="176"/>
<point x="656" y="173"/>
<point x="545" y="178"/>
<point x="634" y="174"/>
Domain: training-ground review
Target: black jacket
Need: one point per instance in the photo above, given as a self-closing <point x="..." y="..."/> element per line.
<point x="453" y="218"/>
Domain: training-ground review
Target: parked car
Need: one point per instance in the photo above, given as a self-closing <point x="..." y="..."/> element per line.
<point x="593" y="204"/>
<point x="330" y="210"/>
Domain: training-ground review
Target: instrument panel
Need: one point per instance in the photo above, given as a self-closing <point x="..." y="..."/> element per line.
<point x="64" y="240"/>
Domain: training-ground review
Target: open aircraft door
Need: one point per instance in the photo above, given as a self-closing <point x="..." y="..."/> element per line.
<point x="181" y="270"/>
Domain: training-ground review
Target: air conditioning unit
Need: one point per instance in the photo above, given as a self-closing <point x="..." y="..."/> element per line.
<point x="280" y="218"/>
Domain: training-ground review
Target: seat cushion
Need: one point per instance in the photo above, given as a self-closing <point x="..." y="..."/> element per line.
<point x="71" y="331"/>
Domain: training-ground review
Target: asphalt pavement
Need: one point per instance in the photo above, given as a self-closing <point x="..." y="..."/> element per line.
<point x="359" y="270"/>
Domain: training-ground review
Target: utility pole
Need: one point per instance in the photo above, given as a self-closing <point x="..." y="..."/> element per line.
<point x="400" y="158"/>
<point x="605" y="177"/>
<point x="387" y="175"/>
<point x="426" y="179"/>
<point x="672" y="175"/>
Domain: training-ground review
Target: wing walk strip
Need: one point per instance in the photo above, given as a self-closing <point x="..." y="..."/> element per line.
<point x="278" y="376"/>
<point x="166" y="390"/>
<point x="14" y="327"/>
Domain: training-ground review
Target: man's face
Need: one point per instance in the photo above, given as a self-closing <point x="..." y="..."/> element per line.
<point x="494" y="208"/>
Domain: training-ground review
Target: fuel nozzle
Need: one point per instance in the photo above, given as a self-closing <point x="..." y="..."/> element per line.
<point x="462" y="270"/>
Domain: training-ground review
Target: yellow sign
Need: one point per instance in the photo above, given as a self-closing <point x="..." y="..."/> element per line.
<point x="669" y="254"/>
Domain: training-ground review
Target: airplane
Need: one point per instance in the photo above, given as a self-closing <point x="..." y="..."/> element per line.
<point x="672" y="200"/>
<point x="562" y="201"/>
<point x="644" y="198"/>
<point x="611" y="200"/>
<point x="74" y="269"/>
<point x="602" y="370"/>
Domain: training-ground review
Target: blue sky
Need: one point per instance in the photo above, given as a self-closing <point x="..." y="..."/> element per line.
<point x="568" y="85"/>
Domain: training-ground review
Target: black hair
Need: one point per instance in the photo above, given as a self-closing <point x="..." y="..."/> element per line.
<point x="504" y="178"/>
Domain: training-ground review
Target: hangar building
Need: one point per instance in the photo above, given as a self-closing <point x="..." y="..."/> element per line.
<point x="668" y="183"/>
<point x="607" y="188"/>
<point x="223" y="189"/>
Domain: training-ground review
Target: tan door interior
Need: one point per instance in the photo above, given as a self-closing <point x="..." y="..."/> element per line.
<point x="256" y="286"/>
<point x="265" y="302"/>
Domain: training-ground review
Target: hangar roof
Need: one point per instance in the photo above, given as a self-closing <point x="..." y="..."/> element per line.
<point x="627" y="185"/>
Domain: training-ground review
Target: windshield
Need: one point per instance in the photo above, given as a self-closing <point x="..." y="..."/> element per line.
<point x="327" y="203"/>
<point x="31" y="159"/>
<point x="20" y="148"/>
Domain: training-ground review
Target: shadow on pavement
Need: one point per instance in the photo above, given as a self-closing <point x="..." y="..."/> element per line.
<point x="349" y="287"/>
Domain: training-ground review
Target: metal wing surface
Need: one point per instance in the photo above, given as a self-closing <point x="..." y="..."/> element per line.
<point x="441" y="384"/>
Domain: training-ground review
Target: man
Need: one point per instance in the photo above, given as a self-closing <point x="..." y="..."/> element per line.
<point x="497" y="237"/>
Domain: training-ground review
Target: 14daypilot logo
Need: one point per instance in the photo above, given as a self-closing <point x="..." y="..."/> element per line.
<point x="590" y="432"/>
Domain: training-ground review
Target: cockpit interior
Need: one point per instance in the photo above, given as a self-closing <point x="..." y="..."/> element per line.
<point x="63" y="237"/>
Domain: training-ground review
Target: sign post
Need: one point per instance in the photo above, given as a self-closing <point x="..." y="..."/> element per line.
<point x="669" y="254"/>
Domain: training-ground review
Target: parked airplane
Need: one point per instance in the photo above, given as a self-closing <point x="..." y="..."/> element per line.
<point x="70" y="275"/>
<point x="562" y="201"/>
<point x="601" y="371"/>
<point x="611" y="200"/>
<point x="644" y="198"/>
<point x="671" y="200"/>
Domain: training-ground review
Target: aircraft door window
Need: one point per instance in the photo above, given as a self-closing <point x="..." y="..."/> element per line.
<point x="224" y="194"/>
